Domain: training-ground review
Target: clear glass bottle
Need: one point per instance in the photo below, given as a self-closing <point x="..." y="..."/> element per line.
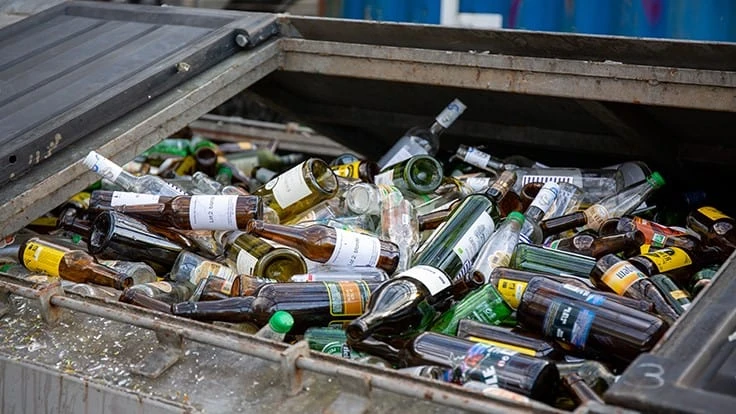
<point x="164" y="291"/>
<point x="338" y="274"/>
<point x="400" y="226"/>
<point x="139" y="271"/>
<point x="418" y="140"/>
<point x="149" y="184"/>
<point x="482" y="160"/>
<point x="205" y="184"/>
<point x="595" y="183"/>
<point x="498" y="249"/>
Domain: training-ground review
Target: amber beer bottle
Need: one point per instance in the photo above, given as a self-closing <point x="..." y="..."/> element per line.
<point x="310" y="303"/>
<point x="253" y="256"/>
<point x="588" y="244"/>
<point x="200" y="212"/>
<point x="534" y="377"/>
<point x="54" y="259"/>
<point x="587" y="321"/>
<point x="325" y="244"/>
<point x="715" y="226"/>
<point x="614" y="274"/>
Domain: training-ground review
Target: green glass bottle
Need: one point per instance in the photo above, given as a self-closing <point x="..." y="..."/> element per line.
<point x="678" y="299"/>
<point x="420" y="174"/>
<point x="555" y="262"/>
<point x="252" y="256"/>
<point x="330" y="340"/>
<point x="702" y="278"/>
<point x="454" y="245"/>
<point x="482" y="305"/>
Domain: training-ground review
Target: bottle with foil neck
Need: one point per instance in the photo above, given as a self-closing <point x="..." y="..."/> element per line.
<point x="542" y="202"/>
<point x="498" y="249"/>
<point x="252" y="256"/>
<point x="325" y="244"/>
<point x="149" y="184"/>
<point x="54" y="259"/>
<point x="619" y="204"/>
<point x="418" y="140"/>
<point x="420" y="174"/>
<point x="200" y="212"/>
<point x="299" y="188"/>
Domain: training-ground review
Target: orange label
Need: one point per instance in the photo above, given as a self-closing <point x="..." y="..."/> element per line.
<point x="511" y="291"/>
<point x="669" y="258"/>
<point x="347" y="298"/>
<point x="712" y="213"/>
<point x="621" y="276"/>
<point x="40" y="258"/>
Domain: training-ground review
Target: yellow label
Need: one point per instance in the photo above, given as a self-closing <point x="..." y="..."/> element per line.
<point x="679" y="294"/>
<point x="669" y="258"/>
<point x="644" y="248"/>
<point x="40" y="258"/>
<point x="521" y="350"/>
<point x="81" y="198"/>
<point x="186" y="166"/>
<point x="347" y="170"/>
<point x="712" y="213"/>
<point x="621" y="276"/>
<point x="45" y="221"/>
<point x="511" y="291"/>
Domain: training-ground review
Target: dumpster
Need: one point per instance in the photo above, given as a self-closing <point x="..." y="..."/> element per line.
<point x="559" y="98"/>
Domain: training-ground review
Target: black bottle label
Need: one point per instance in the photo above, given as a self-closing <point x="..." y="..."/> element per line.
<point x="568" y="323"/>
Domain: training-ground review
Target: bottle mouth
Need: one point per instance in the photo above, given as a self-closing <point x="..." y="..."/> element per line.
<point x="123" y="282"/>
<point x="100" y="232"/>
<point x="322" y="176"/>
<point x="356" y="331"/>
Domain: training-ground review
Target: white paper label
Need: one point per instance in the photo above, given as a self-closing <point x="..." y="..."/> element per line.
<point x="290" y="187"/>
<point x="433" y="279"/>
<point x="102" y="166"/>
<point x="124" y="198"/>
<point x="213" y="212"/>
<point x="450" y="113"/>
<point x="547" y="178"/>
<point x="546" y="196"/>
<point x="207" y="269"/>
<point x="384" y="178"/>
<point x="478" y="184"/>
<point x="245" y="263"/>
<point x="477" y="158"/>
<point x="355" y="249"/>
<point x="401" y="155"/>
<point x="470" y="244"/>
<point x="596" y="215"/>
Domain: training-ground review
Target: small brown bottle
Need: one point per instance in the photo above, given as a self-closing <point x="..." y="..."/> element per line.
<point x="715" y="226"/>
<point x="325" y="244"/>
<point x="54" y="259"/>
<point x="591" y="245"/>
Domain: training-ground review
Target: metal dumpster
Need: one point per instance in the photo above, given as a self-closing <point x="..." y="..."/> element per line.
<point x="571" y="99"/>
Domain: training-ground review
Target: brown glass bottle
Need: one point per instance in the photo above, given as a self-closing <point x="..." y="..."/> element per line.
<point x="591" y="245"/>
<point x="511" y="283"/>
<point x="654" y="233"/>
<point x="325" y="244"/>
<point x="200" y="212"/>
<point x="714" y="226"/>
<point x="534" y="377"/>
<point x="614" y="274"/>
<point x="310" y="303"/>
<point x="507" y="338"/>
<point x="588" y="322"/>
<point x="54" y="259"/>
<point x="139" y="298"/>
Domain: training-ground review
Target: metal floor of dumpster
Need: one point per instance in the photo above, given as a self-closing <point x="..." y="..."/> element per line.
<point x="582" y="100"/>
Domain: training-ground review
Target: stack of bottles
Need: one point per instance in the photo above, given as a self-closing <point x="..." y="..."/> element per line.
<point x="501" y="275"/>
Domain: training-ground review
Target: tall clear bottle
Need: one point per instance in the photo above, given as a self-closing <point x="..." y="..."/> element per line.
<point x="418" y="140"/>
<point x="149" y="184"/>
<point x="498" y="249"/>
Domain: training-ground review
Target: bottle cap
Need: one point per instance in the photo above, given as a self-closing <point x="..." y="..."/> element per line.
<point x="516" y="216"/>
<point x="656" y="180"/>
<point x="281" y="322"/>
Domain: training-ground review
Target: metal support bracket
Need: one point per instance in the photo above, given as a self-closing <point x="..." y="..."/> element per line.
<point x="354" y="396"/>
<point x="292" y="375"/>
<point x="50" y="313"/>
<point x="168" y="353"/>
<point x="6" y="303"/>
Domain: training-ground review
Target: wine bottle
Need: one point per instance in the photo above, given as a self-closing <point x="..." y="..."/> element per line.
<point x="363" y="170"/>
<point x="253" y="256"/>
<point x="417" y="140"/>
<point x="533" y="377"/>
<point x="588" y="244"/>
<point x="399" y="225"/>
<point x="455" y="244"/>
<point x="299" y="188"/>
<point x="103" y="200"/>
<point x="420" y="174"/>
<point x="499" y="247"/>
<point x="556" y="262"/>
<point x="595" y="183"/>
<point x="366" y="198"/>
<point x="714" y="226"/>
<point x="149" y="184"/>
<point x="325" y="244"/>
<point x="139" y="271"/>
<point x="164" y="291"/>
<point x="54" y="259"/>
<point x="587" y="321"/>
<point x="531" y="232"/>
<point x="513" y="339"/>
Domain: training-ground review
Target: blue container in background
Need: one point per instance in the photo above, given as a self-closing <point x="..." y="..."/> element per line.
<point x="702" y="20"/>
<point x="545" y="15"/>
<point x="591" y="16"/>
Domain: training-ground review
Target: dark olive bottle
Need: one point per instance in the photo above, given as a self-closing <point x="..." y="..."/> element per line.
<point x="701" y="279"/>
<point x="591" y="324"/>
<point x="533" y="377"/>
<point x="325" y="244"/>
<point x="714" y="226"/>
<point x="252" y="256"/>
<point x="591" y="245"/>
<point x="508" y="338"/>
<point x="420" y="174"/>
<point x="55" y="259"/>
<point x="678" y="298"/>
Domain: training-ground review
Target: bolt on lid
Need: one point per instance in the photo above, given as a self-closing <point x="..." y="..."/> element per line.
<point x="516" y="216"/>
<point x="656" y="180"/>
<point x="281" y="322"/>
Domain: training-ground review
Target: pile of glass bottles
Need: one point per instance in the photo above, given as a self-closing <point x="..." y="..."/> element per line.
<point x="506" y="276"/>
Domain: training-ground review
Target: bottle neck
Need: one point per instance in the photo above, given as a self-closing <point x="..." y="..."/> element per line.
<point x="291" y="236"/>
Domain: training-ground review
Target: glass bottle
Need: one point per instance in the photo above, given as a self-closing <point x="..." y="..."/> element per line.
<point x="702" y="278"/>
<point x="164" y="291"/>
<point x="533" y="377"/>
<point x="138" y="298"/>
<point x="102" y="200"/>
<point x="366" y="198"/>
<point x="200" y="212"/>
<point x="299" y="188"/>
<point x="556" y="262"/>
<point x="598" y="376"/>
<point x="587" y="244"/>
<point x="240" y="146"/>
<point x="252" y="256"/>
<point x="279" y="324"/>
<point x="246" y="161"/>
<point x="330" y="341"/>
<point x="569" y="200"/>
<point x="580" y="391"/>
<point x="139" y="271"/>
<point x="325" y="244"/>
<point x="407" y="304"/>
<point x="263" y="174"/>
<point x="484" y="304"/>
<point x="363" y="170"/>
<point x="499" y="247"/>
<point x="655" y="234"/>
<point x="149" y="184"/>
<point x="619" y="204"/>
<point x="91" y="291"/>
<point x="420" y="174"/>
<point x="204" y="184"/>
<point x="587" y="321"/>
<point x="337" y="274"/>
<point x="714" y="226"/>
<point x="417" y="140"/>
<point x="542" y="202"/>
<point x="455" y="244"/>
<point x="676" y="262"/>
<point x="595" y="183"/>
<point x="511" y="339"/>
<point x="614" y="274"/>
<point x="399" y="225"/>
<point x="54" y="259"/>
<point x="190" y="269"/>
<point x="482" y="160"/>
<point x="678" y="298"/>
